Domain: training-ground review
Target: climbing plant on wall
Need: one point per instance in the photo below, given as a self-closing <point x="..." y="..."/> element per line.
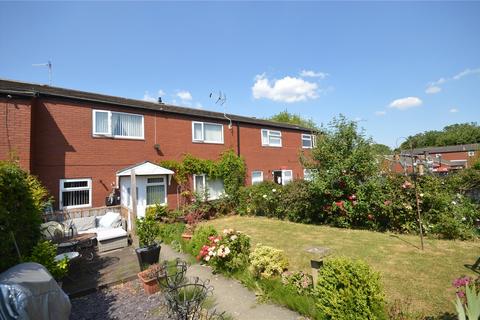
<point x="230" y="168"/>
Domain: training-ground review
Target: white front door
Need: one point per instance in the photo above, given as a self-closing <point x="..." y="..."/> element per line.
<point x="150" y="190"/>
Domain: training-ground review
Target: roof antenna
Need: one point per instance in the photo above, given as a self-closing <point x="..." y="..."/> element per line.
<point x="222" y="100"/>
<point x="49" y="65"/>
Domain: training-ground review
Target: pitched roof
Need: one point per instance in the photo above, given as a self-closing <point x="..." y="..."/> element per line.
<point x="18" y="88"/>
<point x="145" y="168"/>
<point x="456" y="148"/>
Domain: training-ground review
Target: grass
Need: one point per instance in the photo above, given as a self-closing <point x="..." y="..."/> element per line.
<point x="422" y="277"/>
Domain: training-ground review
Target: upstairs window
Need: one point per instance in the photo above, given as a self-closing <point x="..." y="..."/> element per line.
<point x="211" y="188"/>
<point x="207" y="132"/>
<point x="308" y="141"/>
<point x="118" y="124"/>
<point x="75" y="193"/>
<point x="271" y="138"/>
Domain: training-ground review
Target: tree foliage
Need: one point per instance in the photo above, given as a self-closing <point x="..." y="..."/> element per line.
<point x="22" y="199"/>
<point x="291" y="118"/>
<point x="462" y="133"/>
<point x="381" y="149"/>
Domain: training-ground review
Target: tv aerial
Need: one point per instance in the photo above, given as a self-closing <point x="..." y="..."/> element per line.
<point x="221" y="100"/>
<point x="49" y="65"/>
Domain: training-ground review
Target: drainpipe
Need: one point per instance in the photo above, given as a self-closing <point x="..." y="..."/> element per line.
<point x="238" y="139"/>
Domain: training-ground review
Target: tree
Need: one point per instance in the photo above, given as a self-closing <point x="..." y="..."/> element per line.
<point x="343" y="158"/>
<point x="381" y="149"/>
<point x="287" y="117"/>
<point x="462" y="133"/>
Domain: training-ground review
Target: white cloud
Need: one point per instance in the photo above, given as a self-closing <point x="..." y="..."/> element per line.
<point x="161" y="93"/>
<point x="380" y="113"/>
<point x="184" y="95"/>
<point x="313" y="74"/>
<point x="465" y="73"/>
<point x="148" y="97"/>
<point x="406" y="103"/>
<point x="198" y="105"/>
<point x="432" y="89"/>
<point x="454" y="110"/>
<point x="288" y="89"/>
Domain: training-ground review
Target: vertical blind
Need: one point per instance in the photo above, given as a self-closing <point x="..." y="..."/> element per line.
<point x="127" y="125"/>
<point x="155" y="194"/>
<point x="213" y="132"/>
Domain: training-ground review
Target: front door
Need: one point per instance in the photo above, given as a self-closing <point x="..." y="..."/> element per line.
<point x="150" y="191"/>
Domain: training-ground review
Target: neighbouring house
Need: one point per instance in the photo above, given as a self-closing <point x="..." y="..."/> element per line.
<point x="85" y="145"/>
<point x="440" y="160"/>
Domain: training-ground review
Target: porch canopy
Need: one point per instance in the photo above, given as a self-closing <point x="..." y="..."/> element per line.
<point x="145" y="168"/>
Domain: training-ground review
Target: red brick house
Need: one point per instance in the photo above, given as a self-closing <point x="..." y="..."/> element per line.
<point x="441" y="160"/>
<point x="82" y="144"/>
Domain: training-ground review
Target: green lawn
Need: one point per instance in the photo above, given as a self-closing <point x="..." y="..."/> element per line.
<point x="422" y="277"/>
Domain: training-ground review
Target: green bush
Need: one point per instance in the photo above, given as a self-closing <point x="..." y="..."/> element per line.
<point x="169" y="232"/>
<point x="298" y="281"/>
<point x="22" y="200"/>
<point x="44" y="253"/>
<point x="300" y="202"/>
<point x="147" y="231"/>
<point x="156" y="212"/>
<point x="349" y="289"/>
<point x="199" y="239"/>
<point x="261" y="199"/>
<point x="267" y="262"/>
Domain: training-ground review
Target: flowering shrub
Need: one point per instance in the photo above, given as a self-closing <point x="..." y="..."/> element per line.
<point x="261" y="199"/>
<point x="267" y="262"/>
<point x="467" y="301"/>
<point x="227" y="252"/>
<point x="298" y="281"/>
<point x="199" y="238"/>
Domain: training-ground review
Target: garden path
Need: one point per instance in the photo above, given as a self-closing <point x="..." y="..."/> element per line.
<point x="231" y="296"/>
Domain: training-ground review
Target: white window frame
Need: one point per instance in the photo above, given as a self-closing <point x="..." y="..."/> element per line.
<point x="283" y="175"/>
<point x="204" y="181"/>
<point x="261" y="177"/>
<point x="109" y="133"/>
<point x="268" y="143"/>
<point x="202" y="140"/>
<point x="88" y="187"/>
<point x="308" y="176"/>
<point x="308" y="137"/>
<point x="164" y="184"/>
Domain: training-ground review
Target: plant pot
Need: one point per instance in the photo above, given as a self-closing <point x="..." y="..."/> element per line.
<point x="150" y="286"/>
<point x="186" y="236"/>
<point x="148" y="255"/>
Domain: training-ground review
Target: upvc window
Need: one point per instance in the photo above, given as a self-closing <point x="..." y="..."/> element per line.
<point x="207" y="132"/>
<point x="308" y="174"/>
<point x="118" y="124"/>
<point x="212" y="188"/>
<point x="75" y="193"/>
<point x="271" y="138"/>
<point x="308" y="141"/>
<point x="257" y="177"/>
<point x="156" y="191"/>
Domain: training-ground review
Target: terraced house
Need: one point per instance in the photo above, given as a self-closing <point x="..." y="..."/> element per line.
<point x="83" y="145"/>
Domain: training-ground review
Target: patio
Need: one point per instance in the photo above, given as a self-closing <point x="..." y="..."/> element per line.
<point x="106" y="269"/>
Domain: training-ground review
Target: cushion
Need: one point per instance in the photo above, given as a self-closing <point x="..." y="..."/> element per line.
<point x="109" y="220"/>
<point x="52" y="230"/>
<point x="80" y="224"/>
<point x="110" y="233"/>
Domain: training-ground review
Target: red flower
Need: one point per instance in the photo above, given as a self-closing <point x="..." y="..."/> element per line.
<point x="370" y="217"/>
<point x="339" y="204"/>
<point x="352" y="197"/>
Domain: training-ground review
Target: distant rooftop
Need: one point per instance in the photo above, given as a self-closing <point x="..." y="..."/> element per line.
<point x="456" y="148"/>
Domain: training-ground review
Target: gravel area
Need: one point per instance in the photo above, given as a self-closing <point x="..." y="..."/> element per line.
<point x="123" y="301"/>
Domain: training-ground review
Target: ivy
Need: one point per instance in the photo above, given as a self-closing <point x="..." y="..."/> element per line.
<point x="230" y="168"/>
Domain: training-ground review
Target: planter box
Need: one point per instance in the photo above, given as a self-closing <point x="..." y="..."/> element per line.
<point x="150" y="286"/>
<point x="148" y="255"/>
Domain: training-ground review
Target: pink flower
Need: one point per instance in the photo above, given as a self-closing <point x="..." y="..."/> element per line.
<point x="387" y="202"/>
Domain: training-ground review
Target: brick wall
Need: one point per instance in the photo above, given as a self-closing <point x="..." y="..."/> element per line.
<point x="63" y="146"/>
<point x="15" y="131"/>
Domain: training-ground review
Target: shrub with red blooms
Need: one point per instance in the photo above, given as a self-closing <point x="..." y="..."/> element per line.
<point x="461" y="283"/>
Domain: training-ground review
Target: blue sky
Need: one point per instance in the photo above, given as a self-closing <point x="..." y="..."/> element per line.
<point x="397" y="68"/>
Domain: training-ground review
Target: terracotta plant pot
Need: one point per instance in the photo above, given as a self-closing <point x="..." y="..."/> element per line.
<point x="150" y="286"/>
<point x="186" y="236"/>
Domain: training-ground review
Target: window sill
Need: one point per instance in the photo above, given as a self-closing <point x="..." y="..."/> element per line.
<point x="98" y="136"/>
<point x="208" y="142"/>
<point x="269" y="146"/>
<point x="76" y="207"/>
